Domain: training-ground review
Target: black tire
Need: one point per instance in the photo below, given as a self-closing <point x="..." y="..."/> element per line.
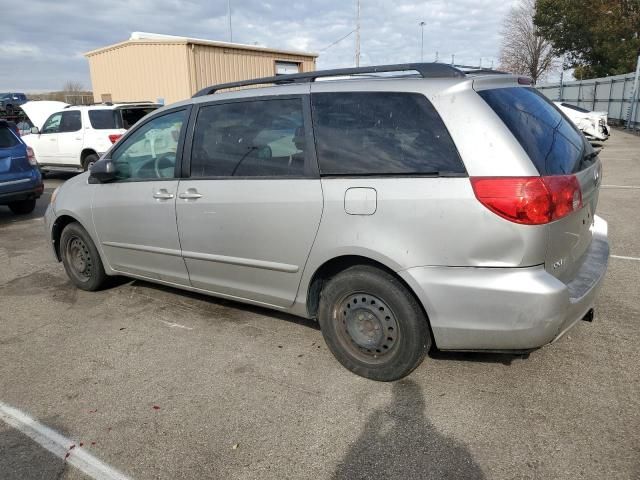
<point x="89" y="160"/>
<point x="81" y="259"/>
<point x="23" y="207"/>
<point x="372" y="324"/>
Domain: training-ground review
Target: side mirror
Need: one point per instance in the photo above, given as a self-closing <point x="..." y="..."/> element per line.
<point x="102" y="171"/>
<point x="35" y="130"/>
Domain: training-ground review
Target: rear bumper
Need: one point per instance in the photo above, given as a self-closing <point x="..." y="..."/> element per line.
<point x="508" y="308"/>
<point x="32" y="188"/>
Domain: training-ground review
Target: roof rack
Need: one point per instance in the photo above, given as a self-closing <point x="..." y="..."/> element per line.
<point x="425" y="70"/>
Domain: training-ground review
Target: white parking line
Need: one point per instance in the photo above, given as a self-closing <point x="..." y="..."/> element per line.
<point x="622" y="187"/>
<point x="59" y="445"/>
<point x="626" y="258"/>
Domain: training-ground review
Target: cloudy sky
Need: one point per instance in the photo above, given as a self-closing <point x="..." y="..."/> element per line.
<point x="44" y="40"/>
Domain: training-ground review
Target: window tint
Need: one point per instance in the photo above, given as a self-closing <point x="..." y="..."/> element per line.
<point x="150" y="151"/>
<point x="379" y="133"/>
<point x="7" y="139"/>
<point x="71" y="121"/>
<point x="259" y="138"/>
<point x="52" y="125"/>
<point x="549" y="138"/>
<point x="131" y="115"/>
<point x="104" y="119"/>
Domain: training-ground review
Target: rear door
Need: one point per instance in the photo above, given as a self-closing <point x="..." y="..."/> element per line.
<point x="70" y="136"/>
<point x="557" y="149"/>
<point x="15" y="170"/>
<point x="250" y="208"/>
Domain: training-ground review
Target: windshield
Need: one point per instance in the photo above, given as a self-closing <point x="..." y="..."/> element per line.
<point x="550" y="139"/>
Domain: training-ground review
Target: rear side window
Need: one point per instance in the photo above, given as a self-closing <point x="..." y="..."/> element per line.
<point x="549" y="138"/>
<point x="258" y="138"/>
<point x="7" y="139"/>
<point x="381" y="133"/>
<point x="105" y="119"/>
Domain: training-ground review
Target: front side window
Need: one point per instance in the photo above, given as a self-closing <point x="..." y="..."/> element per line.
<point x="71" y="121"/>
<point x="151" y="151"/>
<point x="381" y="133"/>
<point x="52" y="125"/>
<point x="259" y="138"/>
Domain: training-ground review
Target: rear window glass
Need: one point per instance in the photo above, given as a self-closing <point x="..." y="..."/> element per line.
<point x="549" y="138"/>
<point x="131" y="115"/>
<point x="381" y="133"/>
<point x="105" y="119"/>
<point x="7" y="139"/>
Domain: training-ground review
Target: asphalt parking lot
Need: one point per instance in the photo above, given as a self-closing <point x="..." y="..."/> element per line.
<point x="163" y="384"/>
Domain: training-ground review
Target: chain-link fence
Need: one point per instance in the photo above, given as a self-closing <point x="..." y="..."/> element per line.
<point x="611" y="94"/>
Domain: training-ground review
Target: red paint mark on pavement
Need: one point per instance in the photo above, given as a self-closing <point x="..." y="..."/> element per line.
<point x="93" y="443"/>
<point x="67" y="455"/>
<point x="72" y="446"/>
<point x="81" y="444"/>
<point x="93" y="411"/>
<point x="156" y="407"/>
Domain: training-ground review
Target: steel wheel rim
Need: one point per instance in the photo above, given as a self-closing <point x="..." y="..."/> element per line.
<point x="79" y="259"/>
<point x="367" y="327"/>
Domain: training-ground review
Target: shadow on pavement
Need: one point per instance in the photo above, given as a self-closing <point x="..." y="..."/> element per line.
<point x="479" y="357"/>
<point x="399" y="442"/>
<point x="120" y="281"/>
<point x="22" y="458"/>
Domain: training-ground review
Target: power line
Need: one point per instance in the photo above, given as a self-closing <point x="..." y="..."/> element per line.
<point x="337" y="41"/>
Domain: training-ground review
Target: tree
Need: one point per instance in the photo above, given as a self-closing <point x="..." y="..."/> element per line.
<point x="72" y="86"/>
<point x="598" y="38"/>
<point x="523" y="50"/>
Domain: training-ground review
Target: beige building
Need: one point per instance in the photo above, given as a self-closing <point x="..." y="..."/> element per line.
<point x="151" y="67"/>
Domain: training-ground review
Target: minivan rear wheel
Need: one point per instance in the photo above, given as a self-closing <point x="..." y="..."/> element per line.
<point x="81" y="259"/>
<point x="372" y="324"/>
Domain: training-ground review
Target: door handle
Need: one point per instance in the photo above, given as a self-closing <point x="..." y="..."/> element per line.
<point x="163" y="195"/>
<point x="190" y="194"/>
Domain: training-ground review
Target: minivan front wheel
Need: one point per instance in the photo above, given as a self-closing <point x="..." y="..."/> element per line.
<point x="372" y="324"/>
<point x="81" y="259"/>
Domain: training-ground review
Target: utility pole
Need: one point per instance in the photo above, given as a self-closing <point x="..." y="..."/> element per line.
<point x="357" y="33"/>
<point x="437" y="56"/>
<point x="422" y="24"/>
<point x="453" y="59"/>
<point x="229" y="13"/>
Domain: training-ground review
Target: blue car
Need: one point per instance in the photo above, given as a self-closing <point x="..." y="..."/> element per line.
<point x="20" y="179"/>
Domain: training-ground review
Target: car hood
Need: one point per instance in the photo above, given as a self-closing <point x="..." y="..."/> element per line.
<point x="38" y="111"/>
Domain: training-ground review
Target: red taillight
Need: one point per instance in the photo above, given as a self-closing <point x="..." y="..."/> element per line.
<point x="31" y="156"/>
<point x="114" y="138"/>
<point x="529" y="200"/>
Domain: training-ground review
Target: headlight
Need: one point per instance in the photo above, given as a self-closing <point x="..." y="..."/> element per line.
<point x="54" y="195"/>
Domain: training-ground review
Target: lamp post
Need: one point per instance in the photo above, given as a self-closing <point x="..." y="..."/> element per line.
<point x="422" y="24"/>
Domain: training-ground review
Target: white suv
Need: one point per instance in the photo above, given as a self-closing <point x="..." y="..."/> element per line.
<point x="72" y="138"/>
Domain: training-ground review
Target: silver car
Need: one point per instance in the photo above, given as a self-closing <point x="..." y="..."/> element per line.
<point x="431" y="206"/>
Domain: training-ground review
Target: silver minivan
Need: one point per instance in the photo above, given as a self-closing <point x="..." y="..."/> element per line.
<point x="402" y="206"/>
